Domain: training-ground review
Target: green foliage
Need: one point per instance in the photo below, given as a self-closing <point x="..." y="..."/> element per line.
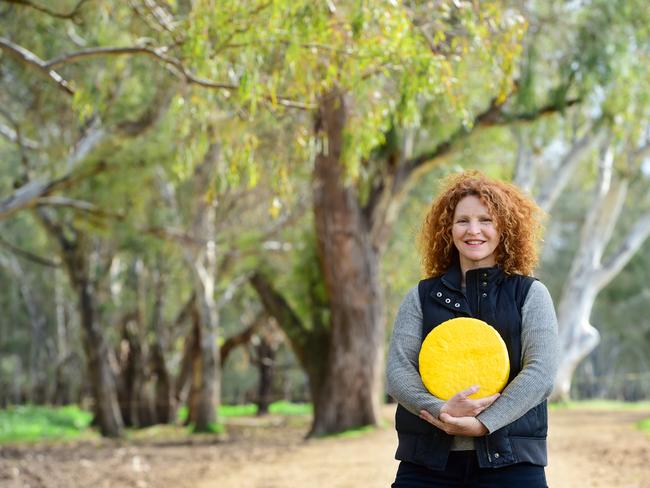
<point x="31" y="423"/>
<point x="644" y="425"/>
<point x="423" y="67"/>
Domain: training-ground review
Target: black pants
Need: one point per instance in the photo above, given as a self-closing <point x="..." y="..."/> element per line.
<point x="463" y="471"/>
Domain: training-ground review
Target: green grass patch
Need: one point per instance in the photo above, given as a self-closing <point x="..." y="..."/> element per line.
<point x="602" y="405"/>
<point x="644" y="425"/>
<point x="352" y="433"/>
<point x="31" y="423"/>
<point x="28" y="423"/>
<point x="250" y="409"/>
<point x="246" y="410"/>
<point x="213" y="428"/>
<point x="288" y="408"/>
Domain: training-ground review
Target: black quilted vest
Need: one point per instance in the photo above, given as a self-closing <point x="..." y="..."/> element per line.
<point x="496" y="298"/>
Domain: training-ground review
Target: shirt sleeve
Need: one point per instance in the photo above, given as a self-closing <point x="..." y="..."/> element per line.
<point x="404" y="383"/>
<point x="540" y="353"/>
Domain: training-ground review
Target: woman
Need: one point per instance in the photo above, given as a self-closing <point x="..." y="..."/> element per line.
<point x="478" y="243"/>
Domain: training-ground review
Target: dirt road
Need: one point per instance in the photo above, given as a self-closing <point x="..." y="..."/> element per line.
<point x="588" y="448"/>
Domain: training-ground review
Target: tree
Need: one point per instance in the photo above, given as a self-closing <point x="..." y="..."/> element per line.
<point x="605" y="62"/>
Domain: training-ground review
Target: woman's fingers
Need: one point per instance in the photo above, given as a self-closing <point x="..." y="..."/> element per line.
<point x="462" y="395"/>
<point x="460" y="405"/>
<point x="424" y="415"/>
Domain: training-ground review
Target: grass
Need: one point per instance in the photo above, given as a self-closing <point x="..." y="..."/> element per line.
<point x="644" y="425"/>
<point x="34" y="423"/>
<point x="29" y="423"/>
<point x="602" y="405"/>
<point x="288" y="408"/>
<point x="249" y="409"/>
<point x="351" y="433"/>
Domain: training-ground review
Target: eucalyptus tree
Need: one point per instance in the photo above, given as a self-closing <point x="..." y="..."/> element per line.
<point x="609" y="132"/>
<point x="90" y="74"/>
<point x="61" y="129"/>
<point x="367" y="70"/>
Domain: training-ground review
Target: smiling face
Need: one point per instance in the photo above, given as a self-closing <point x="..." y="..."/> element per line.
<point x="475" y="234"/>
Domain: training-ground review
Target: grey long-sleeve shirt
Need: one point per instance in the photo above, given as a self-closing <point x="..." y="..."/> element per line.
<point x="539" y="358"/>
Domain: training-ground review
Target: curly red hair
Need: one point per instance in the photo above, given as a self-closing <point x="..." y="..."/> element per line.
<point x="517" y="218"/>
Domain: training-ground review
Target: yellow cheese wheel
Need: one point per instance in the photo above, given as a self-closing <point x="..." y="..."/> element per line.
<point x="462" y="352"/>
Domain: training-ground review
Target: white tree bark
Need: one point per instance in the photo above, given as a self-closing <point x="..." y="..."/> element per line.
<point x="202" y="261"/>
<point x="553" y="187"/>
<point x="590" y="273"/>
<point x="526" y="166"/>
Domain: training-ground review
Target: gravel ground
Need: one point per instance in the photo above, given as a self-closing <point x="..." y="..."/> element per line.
<point x="588" y="448"/>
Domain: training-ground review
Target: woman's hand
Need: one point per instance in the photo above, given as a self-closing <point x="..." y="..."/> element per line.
<point x="465" y="426"/>
<point x="461" y="406"/>
<point x="458" y="414"/>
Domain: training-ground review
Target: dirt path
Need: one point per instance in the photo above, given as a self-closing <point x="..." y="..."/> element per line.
<point x="587" y="449"/>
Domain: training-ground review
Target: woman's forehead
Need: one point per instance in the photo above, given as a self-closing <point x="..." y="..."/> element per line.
<point x="471" y="204"/>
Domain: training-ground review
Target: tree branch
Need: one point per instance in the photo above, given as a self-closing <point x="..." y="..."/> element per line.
<point x="46" y="68"/>
<point x="384" y="198"/>
<point x="28" y="255"/>
<point x="492" y="116"/>
<point x="624" y="253"/>
<point x="229" y="292"/>
<point x="27" y="195"/>
<point x="554" y="185"/>
<point x="11" y="135"/>
<point x="59" y="15"/>
<point x="30" y="59"/>
<point x="160" y="54"/>
<point x="91" y="208"/>
<point x="277" y="307"/>
<point x="241" y="338"/>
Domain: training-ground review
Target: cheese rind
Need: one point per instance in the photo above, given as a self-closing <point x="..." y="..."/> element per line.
<point x="462" y="352"/>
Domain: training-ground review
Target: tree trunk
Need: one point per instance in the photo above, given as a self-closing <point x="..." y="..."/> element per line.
<point x="99" y="370"/>
<point x="209" y="385"/>
<point x="36" y="389"/>
<point x="590" y="273"/>
<point x="193" y="349"/>
<point x="130" y="362"/>
<point x="310" y="343"/>
<point x="350" y="394"/>
<point x="163" y="389"/>
<point x="164" y="409"/>
<point x="100" y="374"/>
<point x="577" y="336"/>
<point x="63" y="394"/>
<point x="266" y="368"/>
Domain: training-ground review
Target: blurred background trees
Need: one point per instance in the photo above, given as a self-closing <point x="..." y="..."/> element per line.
<point x="217" y="201"/>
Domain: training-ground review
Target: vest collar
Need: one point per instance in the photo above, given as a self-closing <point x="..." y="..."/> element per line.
<point x="490" y="275"/>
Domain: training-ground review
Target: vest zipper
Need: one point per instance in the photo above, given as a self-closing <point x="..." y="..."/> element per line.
<point x="478" y="300"/>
